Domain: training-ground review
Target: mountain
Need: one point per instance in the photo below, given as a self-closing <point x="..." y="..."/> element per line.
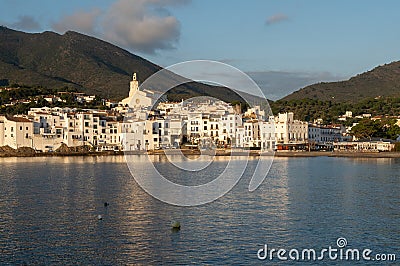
<point x="381" y="81"/>
<point x="76" y="60"/>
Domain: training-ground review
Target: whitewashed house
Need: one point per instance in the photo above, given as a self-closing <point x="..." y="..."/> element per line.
<point x="267" y="134"/>
<point x="322" y="137"/>
<point x="290" y="131"/>
<point x="16" y="132"/>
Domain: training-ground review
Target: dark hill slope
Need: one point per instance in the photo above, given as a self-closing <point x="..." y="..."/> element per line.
<point x="72" y="59"/>
<point x="381" y="81"/>
<point x="75" y="60"/>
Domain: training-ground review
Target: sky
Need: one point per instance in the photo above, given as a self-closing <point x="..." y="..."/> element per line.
<point x="282" y="44"/>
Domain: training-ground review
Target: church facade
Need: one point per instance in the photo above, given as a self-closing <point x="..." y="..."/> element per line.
<point x="139" y="99"/>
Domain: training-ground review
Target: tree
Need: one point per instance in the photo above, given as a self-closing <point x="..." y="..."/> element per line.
<point x="385" y="128"/>
<point x="366" y="128"/>
<point x="397" y="146"/>
<point x="390" y="129"/>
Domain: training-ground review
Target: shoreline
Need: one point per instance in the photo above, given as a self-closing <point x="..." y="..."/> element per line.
<point x="219" y="152"/>
<point x="348" y="154"/>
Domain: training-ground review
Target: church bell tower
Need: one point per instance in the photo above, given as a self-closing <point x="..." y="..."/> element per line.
<point x="134" y="85"/>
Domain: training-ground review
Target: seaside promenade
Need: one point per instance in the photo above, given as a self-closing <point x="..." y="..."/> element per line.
<point x="27" y="152"/>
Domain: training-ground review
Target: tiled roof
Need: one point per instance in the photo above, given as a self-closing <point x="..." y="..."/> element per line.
<point x="18" y="119"/>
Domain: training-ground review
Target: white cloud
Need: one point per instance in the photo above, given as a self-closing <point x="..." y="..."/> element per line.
<point x="26" y="23"/>
<point x="140" y="25"/>
<point x="80" y="21"/>
<point x="276" y="18"/>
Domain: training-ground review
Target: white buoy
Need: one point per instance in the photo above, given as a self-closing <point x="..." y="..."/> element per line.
<point x="99" y="217"/>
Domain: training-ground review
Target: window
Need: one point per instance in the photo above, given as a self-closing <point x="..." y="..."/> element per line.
<point x="20" y="128"/>
<point x="12" y="129"/>
<point x="205" y="127"/>
<point x="27" y="128"/>
<point x="26" y="135"/>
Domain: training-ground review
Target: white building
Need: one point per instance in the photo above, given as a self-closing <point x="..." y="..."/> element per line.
<point x="133" y="134"/>
<point x="255" y="112"/>
<point x="140" y="98"/>
<point x="288" y="130"/>
<point x="267" y="133"/>
<point x="240" y="137"/>
<point x="364" y="146"/>
<point x="252" y="138"/>
<point x="348" y="114"/>
<point x="176" y="131"/>
<point x="16" y="132"/>
<point x="322" y="137"/>
<point x="133" y="126"/>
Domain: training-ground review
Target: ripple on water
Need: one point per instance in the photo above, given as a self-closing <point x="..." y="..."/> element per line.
<point x="49" y="209"/>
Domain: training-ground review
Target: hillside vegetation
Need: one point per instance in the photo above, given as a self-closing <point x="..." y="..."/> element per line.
<point x="382" y="81"/>
<point x="79" y="61"/>
<point x="310" y="109"/>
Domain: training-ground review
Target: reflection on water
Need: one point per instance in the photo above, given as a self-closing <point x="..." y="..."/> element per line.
<point x="49" y="208"/>
<point x="64" y="159"/>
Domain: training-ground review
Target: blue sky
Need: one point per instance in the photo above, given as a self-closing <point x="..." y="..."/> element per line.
<point x="283" y="45"/>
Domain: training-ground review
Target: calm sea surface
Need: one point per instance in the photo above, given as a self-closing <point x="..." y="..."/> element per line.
<point x="49" y="209"/>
